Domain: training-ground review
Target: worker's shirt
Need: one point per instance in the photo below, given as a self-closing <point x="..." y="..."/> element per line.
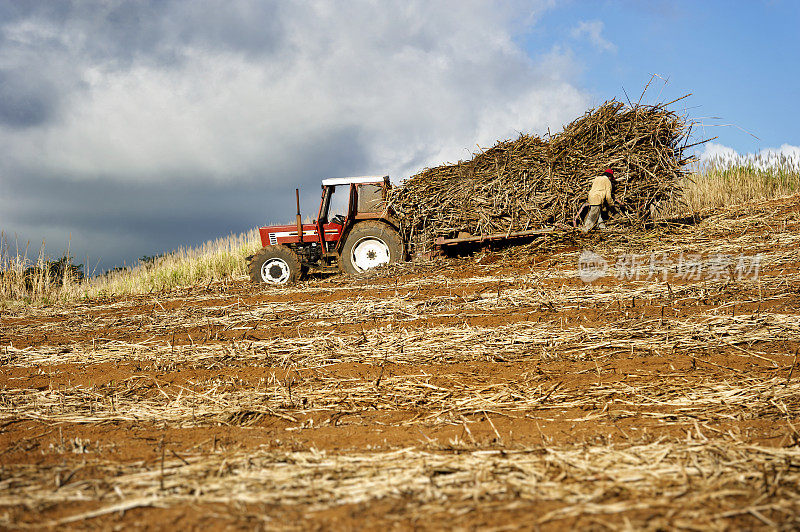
<point x="600" y="191"/>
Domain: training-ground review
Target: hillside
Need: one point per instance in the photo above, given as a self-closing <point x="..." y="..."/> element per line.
<point x="486" y="391"/>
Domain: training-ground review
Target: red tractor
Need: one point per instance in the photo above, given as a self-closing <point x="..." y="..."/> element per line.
<point x="355" y="230"/>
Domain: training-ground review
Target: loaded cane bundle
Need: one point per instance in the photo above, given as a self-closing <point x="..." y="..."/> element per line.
<point x="530" y="182"/>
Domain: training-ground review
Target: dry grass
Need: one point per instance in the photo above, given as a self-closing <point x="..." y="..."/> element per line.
<point x="428" y="399"/>
<point x="31" y="281"/>
<point x="721" y="183"/>
<point x="215" y="260"/>
<point x="554" y="338"/>
<point x="219" y="259"/>
<point x="697" y="484"/>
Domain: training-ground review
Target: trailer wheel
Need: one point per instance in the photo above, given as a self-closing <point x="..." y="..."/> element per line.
<point x="275" y="265"/>
<point x="371" y="244"/>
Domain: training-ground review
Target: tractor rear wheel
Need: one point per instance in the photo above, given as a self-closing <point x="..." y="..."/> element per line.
<point x="371" y="244"/>
<point x="275" y="265"/>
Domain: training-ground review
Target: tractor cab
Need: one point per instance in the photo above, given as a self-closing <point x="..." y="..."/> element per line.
<point x="346" y="200"/>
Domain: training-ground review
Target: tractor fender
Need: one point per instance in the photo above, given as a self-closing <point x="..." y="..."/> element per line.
<point x="388" y="220"/>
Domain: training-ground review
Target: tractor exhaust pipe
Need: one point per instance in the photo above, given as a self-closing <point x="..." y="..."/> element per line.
<point x="299" y="219"/>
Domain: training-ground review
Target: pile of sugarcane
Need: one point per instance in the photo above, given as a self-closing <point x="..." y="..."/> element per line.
<point x="531" y="182"/>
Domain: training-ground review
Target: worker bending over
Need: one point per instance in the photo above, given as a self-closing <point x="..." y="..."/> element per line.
<point x="601" y="198"/>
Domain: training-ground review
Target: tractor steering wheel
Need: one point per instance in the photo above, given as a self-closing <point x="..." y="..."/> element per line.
<point x="338" y="219"/>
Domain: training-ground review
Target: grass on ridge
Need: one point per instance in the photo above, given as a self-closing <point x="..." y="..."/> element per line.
<point x="223" y="258"/>
<point x="720" y="183"/>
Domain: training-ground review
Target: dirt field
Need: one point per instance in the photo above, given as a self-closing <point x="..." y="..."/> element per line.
<point x="497" y="391"/>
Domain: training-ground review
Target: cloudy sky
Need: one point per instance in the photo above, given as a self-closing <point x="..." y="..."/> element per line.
<point x="132" y="128"/>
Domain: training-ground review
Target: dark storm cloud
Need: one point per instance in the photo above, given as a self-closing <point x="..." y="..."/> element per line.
<point x="131" y="221"/>
<point x="114" y="222"/>
<point x="26" y="100"/>
<point x="128" y="209"/>
<point x="120" y="31"/>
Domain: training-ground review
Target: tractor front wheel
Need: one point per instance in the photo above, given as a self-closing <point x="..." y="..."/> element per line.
<point x="371" y="244"/>
<point x="275" y="265"/>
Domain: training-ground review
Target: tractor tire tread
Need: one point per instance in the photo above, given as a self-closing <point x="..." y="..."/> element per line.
<point x="382" y="230"/>
<point x="267" y="252"/>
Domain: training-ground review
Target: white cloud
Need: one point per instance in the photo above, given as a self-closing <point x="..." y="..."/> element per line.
<point x="713" y="150"/>
<point x="593" y="30"/>
<point x="787" y="151"/>
<point x="766" y="157"/>
<point x="346" y="87"/>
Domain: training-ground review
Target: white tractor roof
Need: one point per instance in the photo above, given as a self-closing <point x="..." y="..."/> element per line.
<point x="349" y="180"/>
